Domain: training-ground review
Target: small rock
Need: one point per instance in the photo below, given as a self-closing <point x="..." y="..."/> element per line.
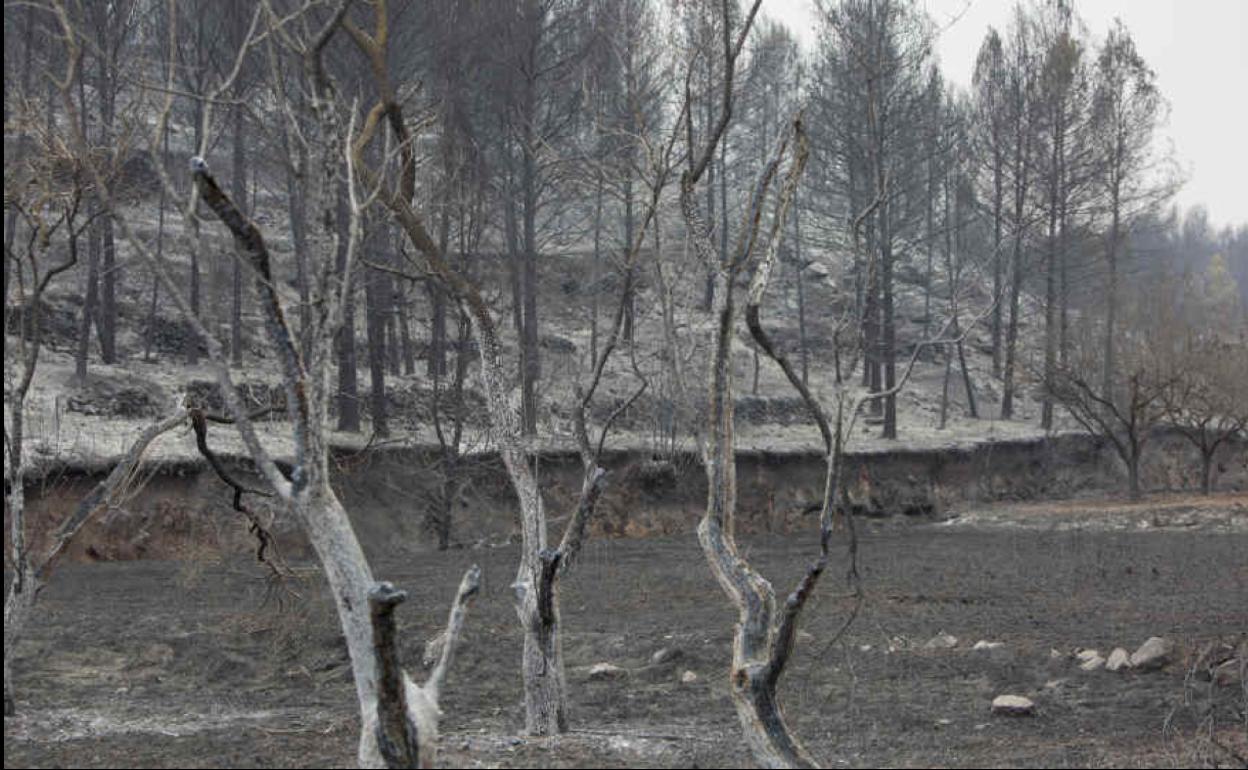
<point x="1084" y="656"/>
<point x="897" y="644"/>
<point x="665" y="655"/>
<point x="864" y="648"/>
<point x="688" y="677"/>
<point x="984" y="644"/>
<point x="1118" y="659"/>
<point x="941" y="641"/>
<point x="1013" y="706"/>
<point x="605" y="671"/>
<point x="1153" y="654"/>
<point x="1092" y="663"/>
<point x="1056" y="654"/>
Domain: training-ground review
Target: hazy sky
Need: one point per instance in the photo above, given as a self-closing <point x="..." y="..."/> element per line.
<point x="1198" y="48"/>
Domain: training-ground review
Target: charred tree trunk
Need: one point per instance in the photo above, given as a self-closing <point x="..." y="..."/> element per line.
<point x="997" y="270"/>
<point x="531" y="366"/>
<point x="296" y="206"/>
<point x="436" y="362"/>
<point x="160" y="255"/>
<point x="802" y="347"/>
<point x="888" y="344"/>
<point x="348" y="381"/>
<point x="405" y="337"/>
<point x="106" y="318"/>
<point x="595" y="273"/>
<point x="240" y="195"/>
<point x="762" y="641"/>
<point x="1011" y="340"/>
<point x="90" y="303"/>
<point x="1111" y="299"/>
<point x="375" y="292"/>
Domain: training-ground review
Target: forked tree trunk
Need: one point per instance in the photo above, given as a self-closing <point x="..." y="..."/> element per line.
<point x="762" y="641"/>
<point x="758" y="652"/>
<point x="310" y="498"/>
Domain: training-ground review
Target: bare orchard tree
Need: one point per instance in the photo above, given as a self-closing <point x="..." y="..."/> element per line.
<point x="405" y="716"/>
<point x="764" y="636"/>
<point x="1207" y="400"/>
<point x="541" y="566"/>
<point x="1126" y="414"/>
<point x="762" y="642"/>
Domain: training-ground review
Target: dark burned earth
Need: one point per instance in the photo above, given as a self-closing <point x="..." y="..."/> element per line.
<point x="197" y="663"/>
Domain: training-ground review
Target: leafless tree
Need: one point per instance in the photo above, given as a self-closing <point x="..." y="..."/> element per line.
<point x="1126" y="109"/>
<point x="536" y="584"/>
<point x="1126" y="414"/>
<point x="406" y="716"/>
<point x="1206" y="402"/>
<point x="50" y="190"/>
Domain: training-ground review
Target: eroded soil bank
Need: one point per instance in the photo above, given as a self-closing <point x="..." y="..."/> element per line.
<point x="182" y="510"/>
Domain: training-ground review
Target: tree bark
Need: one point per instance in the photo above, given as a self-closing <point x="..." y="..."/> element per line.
<point x="240" y="194"/>
<point x="802" y="347"/>
<point x="296" y="207"/>
<point x="106" y="321"/>
<point x="436" y="361"/>
<point x="374" y="322"/>
<point x="348" y="381"/>
<point x="531" y="367"/>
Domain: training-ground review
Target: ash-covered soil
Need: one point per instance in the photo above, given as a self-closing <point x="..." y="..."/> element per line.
<point x="167" y="664"/>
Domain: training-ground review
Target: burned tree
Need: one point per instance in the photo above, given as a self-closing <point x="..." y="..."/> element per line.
<point x="305" y="488"/>
<point x="52" y="221"/>
<point x="541" y="566"/>
<point x="1134" y="404"/>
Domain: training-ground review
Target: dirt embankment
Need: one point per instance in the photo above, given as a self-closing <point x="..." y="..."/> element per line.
<point x="182" y="510"/>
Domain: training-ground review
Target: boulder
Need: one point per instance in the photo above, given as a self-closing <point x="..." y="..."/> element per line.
<point x="688" y="677"/>
<point x="984" y="644"/>
<point x="1013" y="706"/>
<point x="1153" y="654"/>
<point x="1092" y="663"/>
<point x="1118" y="659"/>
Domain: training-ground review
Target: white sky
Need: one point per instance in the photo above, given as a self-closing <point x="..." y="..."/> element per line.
<point x="1198" y="48"/>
